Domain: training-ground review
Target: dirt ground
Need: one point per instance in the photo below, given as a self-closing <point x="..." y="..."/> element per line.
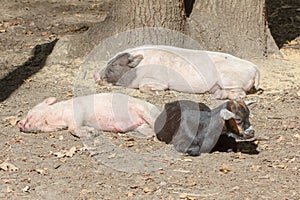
<point x="58" y="166"/>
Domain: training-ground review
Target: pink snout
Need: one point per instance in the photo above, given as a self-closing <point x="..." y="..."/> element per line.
<point x="21" y="125"/>
<point x="98" y="79"/>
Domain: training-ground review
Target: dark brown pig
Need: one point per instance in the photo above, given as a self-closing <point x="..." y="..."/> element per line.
<point x="193" y="128"/>
<point x="106" y="111"/>
<point x="153" y="68"/>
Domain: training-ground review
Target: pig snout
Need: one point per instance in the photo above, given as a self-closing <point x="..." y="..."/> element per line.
<point x="97" y="77"/>
<point x="248" y="133"/>
<point x="99" y="80"/>
<point x="21" y="125"/>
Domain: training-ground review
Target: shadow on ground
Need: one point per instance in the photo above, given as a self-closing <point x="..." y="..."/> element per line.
<point x="15" y="78"/>
<point x="284" y="20"/>
<point x="227" y="144"/>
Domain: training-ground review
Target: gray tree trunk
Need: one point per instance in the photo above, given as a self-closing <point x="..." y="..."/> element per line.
<point x="238" y="27"/>
<point x="125" y="15"/>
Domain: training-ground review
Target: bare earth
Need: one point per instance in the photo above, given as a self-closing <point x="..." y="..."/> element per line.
<point x="58" y="166"/>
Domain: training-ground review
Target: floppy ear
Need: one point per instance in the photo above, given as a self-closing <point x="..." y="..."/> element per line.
<point x="49" y="101"/>
<point x="120" y="59"/>
<point x="226" y="114"/>
<point x="134" y="61"/>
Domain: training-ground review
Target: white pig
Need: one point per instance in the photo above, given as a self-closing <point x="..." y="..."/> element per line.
<point x="153" y="68"/>
<point x="106" y="111"/>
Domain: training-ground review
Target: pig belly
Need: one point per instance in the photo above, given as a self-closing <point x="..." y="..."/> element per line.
<point x="190" y="81"/>
<point x="113" y="112"/>
<point x="116" y="124"/>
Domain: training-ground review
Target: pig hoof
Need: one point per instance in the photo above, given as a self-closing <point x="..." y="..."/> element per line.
<point x="149" y="90"/>
<point x="229" y="94"/>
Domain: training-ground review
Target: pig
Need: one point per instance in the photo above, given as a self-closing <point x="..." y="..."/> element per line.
<point x="113" y="112"/>
<point x="194" y="128"/>
<point x="153" y="68"/>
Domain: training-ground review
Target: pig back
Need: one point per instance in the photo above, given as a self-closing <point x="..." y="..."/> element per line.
<point x="184" y="69"/>
<point x="234" y="72"/>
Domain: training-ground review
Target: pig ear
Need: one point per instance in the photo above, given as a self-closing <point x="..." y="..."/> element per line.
<point x="135" y="60"/>
<point x="226" y="114"/>
<point x="120" y="59"/>
<point x="49" y="101"/>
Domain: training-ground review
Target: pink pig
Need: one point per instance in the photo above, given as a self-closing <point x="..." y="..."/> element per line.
<point x="106" y="111"/>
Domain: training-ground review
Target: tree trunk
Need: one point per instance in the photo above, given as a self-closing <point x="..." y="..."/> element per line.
<point x="127" y="15"/>
<point x="238" y="27"/>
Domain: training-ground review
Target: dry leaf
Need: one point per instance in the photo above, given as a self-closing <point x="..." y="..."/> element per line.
<point x="292" y="160"/>
<point x="8" y="167"/>
<point x="59" y="154"/>
<point x="181" y="170"/>
<point x="41" y="171"/>
<point x="28" y="80"/>
<point x="130" y="144"/>
<point x="71" y="152"/>
<point x="225" y="169"/>
<point x="256" y="168"/>
<point x="183" y="196"/>
<point x="84" y="192"/>
<point x="44" y="33"/>
<point x="147" y="190"/>
<point x="84" y="148"/>
<point x="9" y="190"/>
<point x="186" y="196"/>
<point x="187" y="160"/>
<point x="12" y="120"/>
<point x="112" y="155"/>
<point x="26" y="189"/>
<point x="280" y="138"/>
<point x="280" y="166"/>
<point x="128" y="139"/>
<point x="129" y="194"/>
<point x="297" y="136"/>
<point x="234" y="189"/>
<point x="191" y="184"/>
<point x="292" y="42"/>
<point x="69" y="94"/>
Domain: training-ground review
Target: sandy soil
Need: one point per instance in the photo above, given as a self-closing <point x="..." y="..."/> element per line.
<point x="58" y="166"/>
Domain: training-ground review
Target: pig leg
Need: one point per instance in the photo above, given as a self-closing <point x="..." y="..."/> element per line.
<point x="81" y="132"/>
<point x="144" y="131"/>
<point x="149" y="85"/>
<point x="229" y="93"/>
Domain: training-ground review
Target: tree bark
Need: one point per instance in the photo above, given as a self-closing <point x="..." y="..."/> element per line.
<point x="238" y="27"/>
<point x="127" y="15"/>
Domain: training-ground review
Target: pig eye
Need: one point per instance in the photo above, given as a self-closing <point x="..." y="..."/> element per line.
<point x="110" y="70"/>
<point x="238" y="120"/>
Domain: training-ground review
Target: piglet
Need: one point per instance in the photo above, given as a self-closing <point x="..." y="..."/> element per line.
<point x="105" y="111"/>
<point x="194" y="128"/>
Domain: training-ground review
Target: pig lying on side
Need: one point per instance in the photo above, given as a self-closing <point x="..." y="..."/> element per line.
<point x="193" y="128"/>
<point x="153" y="68"/>
<point x="106" y="111"/>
